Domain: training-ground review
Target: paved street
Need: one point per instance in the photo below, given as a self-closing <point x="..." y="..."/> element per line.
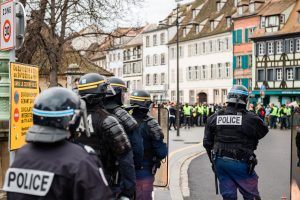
<point x="273" y="169"/>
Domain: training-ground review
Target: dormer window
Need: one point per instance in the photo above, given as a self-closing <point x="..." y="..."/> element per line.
<point x="212" y="25"/>
<point x="272" y="21"/>
<point x="197" y="29"/>
<point x="184" y="32"/>
<point x="236" y="3"/>
<point x="228" y="21"/>
<point x="240" y="10"/>
<point x="218" y="6"/>
<point x="194" y="11"/>
<point x="252" y="7"/>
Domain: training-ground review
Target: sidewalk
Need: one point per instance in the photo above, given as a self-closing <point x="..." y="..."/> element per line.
<point x="187" y="145"/>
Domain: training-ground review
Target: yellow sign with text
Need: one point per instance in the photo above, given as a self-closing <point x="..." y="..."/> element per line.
<point x="24" y="88"/>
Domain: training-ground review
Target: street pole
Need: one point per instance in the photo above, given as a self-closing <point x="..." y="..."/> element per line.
<point x="177" y="88"/>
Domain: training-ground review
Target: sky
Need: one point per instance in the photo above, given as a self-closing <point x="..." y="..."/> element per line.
<point x="152" y="11"/>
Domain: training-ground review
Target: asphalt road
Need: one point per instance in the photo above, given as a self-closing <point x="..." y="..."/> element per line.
<point x="273" y="170"/>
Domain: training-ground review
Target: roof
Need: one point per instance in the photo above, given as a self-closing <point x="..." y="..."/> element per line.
<point x="208" y="11"/>
<point x="138" y="40"/>
<point x="276" y="7"/>
<point x="290" y="27"/>
<point x="247" y="13"/>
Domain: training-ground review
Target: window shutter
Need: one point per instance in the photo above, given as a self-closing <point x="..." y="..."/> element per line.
<point x="234" y="63"/>
<point x="233" y="37"/>
<point x="234" y="81"/>
<point x="264" y="47"/>
<point x="246" y="35"/>
<point x="286" y="46"/>
<point x="245" y="82"/>
<point x="239" y="36"/>
<point x="245" y="62"/>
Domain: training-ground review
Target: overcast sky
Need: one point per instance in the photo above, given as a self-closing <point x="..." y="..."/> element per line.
<point x="153" y="11"/>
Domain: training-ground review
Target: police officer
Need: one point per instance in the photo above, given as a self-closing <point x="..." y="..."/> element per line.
<point x="232" y="135"/>
<point x="49" y="167"/>
<point x="153" y="149"/>
<point x="114" y="101"/>
<point x="108" y="137"/>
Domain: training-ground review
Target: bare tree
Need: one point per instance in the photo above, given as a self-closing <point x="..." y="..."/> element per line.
<point x="54" y="23"/>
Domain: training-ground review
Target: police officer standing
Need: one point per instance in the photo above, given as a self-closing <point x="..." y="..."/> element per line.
<point x="152" y="147"/>
<point x="108" y="137"/>
<point x="113" y="104"/>
<point x="232" y="135"/>
<point x="49" y="167"/>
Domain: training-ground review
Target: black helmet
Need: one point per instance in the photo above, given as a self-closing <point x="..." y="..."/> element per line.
<point x="238" y="94"/>
<point x="116" y="97"/>
<point x="56" y="111"/>
<point x="93" y="88"/>
<point x="141" y="98"/>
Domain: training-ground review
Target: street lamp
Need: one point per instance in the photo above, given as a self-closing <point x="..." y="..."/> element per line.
<point x="177" y="77"/>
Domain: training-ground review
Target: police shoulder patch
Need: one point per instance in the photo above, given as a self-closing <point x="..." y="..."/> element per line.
<point x="229" y="120"/>
<point x="28" y="181"/>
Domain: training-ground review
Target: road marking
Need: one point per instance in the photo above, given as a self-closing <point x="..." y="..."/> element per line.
<point x="183" y="149"/>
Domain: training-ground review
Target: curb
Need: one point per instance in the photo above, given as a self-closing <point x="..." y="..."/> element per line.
<point x="184" y="177"/>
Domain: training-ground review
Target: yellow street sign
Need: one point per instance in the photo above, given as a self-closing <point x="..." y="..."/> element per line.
<point x="24" y="88"/>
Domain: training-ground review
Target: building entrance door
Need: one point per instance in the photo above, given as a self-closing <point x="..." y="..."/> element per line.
<point x="202" y="97"/>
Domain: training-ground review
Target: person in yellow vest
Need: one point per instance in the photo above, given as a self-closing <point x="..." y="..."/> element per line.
<point x="283" y="116"/>
<point x="187" y="110"/>
<point x="200" y="111"/>
<point x="205" y="113"/>
<point x="194" y="116"/>
<point x="273" y="115"/>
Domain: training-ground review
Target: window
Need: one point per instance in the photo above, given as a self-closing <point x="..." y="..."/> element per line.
<point x="228" y="21"/>
<point x="279" y="74"/>
<point x="147" y="41"/>
<point x="227" y="70"/>
<point x="147" y="60"/>
<point x="262" y="22"/>
<point x="155" y="79"/>
<point x="195" y="49"/>
<point x="219" y="72"/>
<point x="210" y="46"/>
<point x="289" y="74"/>
<point x="180" y="52"/>
<point x="212" y="25"/>
<point x="204" y="74"/>
<point x="252" y="7"/>
<point x="282" y="19"/>
<point x="162" y="59"/>
<point x="297" y="73"/>
<point x="162" y="38"/>
<point x="291" y="45"/>
<point x="197" y="73"/>
<point x="162" y="78"/>
<point x="279" y="47"/>
<point x="114" y="57"/>
<point x="119" y="56"/>
<point x="238" y="61"/>
<point x="220" y="45"/>
<point x="212" y="71"/>
<point x="297" y="45"/>
<point x="148" y="79"/>
<point x="216" y="96"/>
<point x="240" y="10"/>
<point x="227" y="43"/>
<point x="173" y="98"/>
<point x="154" y="40"/>
<point x="194" y="11"/>
<point x="172" y="53"/>
<point x="224" y="95"/>
<point x="197" y="29"/>
<point x="134" y="68"/>
<point x="260" y="75"/>
<point x="184" y="32"/>
<point x="191" y="96"/>
<point x="261" y="49"/>
<point x="181" y="96"/>
<point x="155" y="59"/>
<point x="203" y="47"/>
<point x="239" y="81"/>
<point x="270" y="48"/>
<point x="218" y="6"/>
<point x="270" y="74"/>
<point x="250" y="32"/>
<point x="190" y="74"/>
<point x="272" y="21"/>
<point x="250" y="61"/>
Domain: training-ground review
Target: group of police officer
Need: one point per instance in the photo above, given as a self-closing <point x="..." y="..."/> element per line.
<point x="86" y="146"/>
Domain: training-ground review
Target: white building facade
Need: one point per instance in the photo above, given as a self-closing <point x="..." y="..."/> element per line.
<point x="155" y="62"/>
<point x="205" y="69"/>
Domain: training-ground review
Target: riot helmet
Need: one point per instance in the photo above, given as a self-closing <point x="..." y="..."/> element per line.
<point x="56" y="113"/>
<point x="120" y="90"/>
<point x="141" y="99"/>
<point x="238" y="94"/>
<point x="93" y="88"/>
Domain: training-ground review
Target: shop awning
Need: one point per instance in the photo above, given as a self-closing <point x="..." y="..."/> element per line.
<point x="278" y="92"/>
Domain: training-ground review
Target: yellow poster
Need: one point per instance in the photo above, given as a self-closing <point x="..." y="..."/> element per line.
<point x="24" y="88"/>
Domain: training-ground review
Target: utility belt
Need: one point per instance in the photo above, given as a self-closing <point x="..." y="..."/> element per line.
<point x="233" y="154"/>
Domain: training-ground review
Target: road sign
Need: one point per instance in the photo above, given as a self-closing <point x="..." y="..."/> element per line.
<point x="7" y="11"/>
<point x="24" y="89"/>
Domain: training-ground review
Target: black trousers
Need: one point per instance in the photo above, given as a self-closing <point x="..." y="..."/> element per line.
<point x="172" y="122"/>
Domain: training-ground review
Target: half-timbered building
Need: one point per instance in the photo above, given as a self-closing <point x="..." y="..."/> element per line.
<point x="277" y="53"/>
